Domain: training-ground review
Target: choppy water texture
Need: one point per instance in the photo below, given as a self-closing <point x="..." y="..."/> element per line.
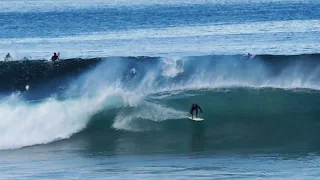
<point x="115" y="106"/>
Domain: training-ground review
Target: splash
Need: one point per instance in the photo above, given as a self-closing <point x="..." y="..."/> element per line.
<point x="25" y="124"/>
<point x="149" y="112"/>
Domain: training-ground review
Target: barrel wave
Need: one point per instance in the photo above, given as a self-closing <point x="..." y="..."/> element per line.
<point x="258" y="102"/>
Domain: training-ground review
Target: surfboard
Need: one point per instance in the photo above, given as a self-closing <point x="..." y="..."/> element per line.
<point x="195" y="119"/>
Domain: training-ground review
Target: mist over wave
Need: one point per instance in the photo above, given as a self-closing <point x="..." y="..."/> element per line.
<point x="139" y="94"/>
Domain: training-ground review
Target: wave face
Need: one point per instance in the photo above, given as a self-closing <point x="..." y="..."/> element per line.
<point x="248" y="102"/>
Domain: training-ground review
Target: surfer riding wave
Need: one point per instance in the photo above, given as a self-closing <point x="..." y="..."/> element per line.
<point x="195" y="107"/>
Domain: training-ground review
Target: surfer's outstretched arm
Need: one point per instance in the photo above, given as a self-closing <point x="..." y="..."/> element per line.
<point x="199" y="108"/>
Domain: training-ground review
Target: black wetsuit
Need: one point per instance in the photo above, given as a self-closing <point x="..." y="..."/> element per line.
<point x="8" y="57"/>
<point x="195" y="107"/>
<point x="54" y="58"/>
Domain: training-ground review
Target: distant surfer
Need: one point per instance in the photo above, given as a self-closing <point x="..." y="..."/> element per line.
<point x="195" y="107"/>
<point x="55" y="57"/>
<point x="8" y="57"/>
<point x="247" y="56"/>
<point x="179" y="64"/>
<point x="25" y="59"/>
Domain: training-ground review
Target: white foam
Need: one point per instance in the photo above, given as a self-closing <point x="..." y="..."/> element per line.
<point x="128" y="121"/>
<point x="24" y="124"/>
<point x="172" y="66"/>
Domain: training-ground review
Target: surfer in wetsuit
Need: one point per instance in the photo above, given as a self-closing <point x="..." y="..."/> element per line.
<point x="195" y="107"/>
<point x="55" y="57"/>
<point x="8" y="57"/>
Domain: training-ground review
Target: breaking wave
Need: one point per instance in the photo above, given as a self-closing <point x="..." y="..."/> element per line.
<point x="243" y="98"/>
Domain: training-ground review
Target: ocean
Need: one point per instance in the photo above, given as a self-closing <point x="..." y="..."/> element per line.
<point x="115" y="105"/>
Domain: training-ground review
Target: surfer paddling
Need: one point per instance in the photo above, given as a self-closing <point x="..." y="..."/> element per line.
<point x="195" y="107"/>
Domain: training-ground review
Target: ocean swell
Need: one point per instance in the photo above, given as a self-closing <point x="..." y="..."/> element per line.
<point x="139" y="94"/>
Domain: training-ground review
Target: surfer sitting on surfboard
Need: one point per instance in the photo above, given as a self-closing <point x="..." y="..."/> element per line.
<point x="195" y="107"/>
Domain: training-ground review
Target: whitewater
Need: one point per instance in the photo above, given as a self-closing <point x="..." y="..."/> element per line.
<point x="132" y="82"/>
